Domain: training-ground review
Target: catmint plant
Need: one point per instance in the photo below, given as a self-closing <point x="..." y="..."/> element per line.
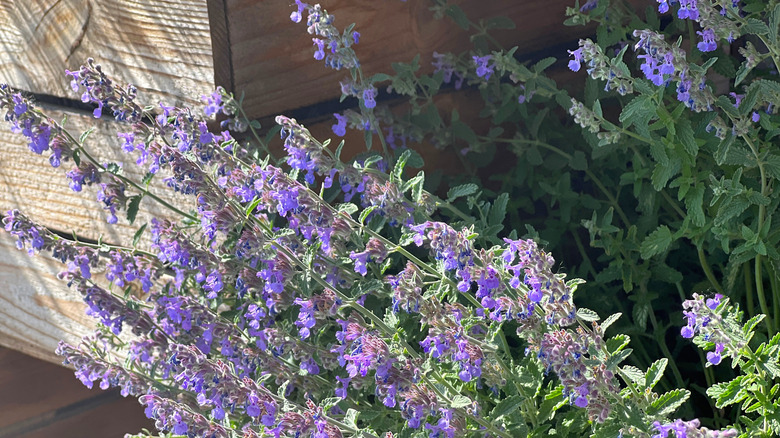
<point x="316" y="295"/>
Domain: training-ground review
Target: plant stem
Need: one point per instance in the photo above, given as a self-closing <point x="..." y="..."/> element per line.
<point x="705" y="266"/>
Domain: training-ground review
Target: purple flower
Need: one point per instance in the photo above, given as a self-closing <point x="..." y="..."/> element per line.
<point x="576" y="63"/>
<point x="213" y="284"/>
<point x="484" y="70"/>
<point x="368" y="97"/>
<point x="688" y="9"/>
<point x="708" y="43"/>
<point x="755" y="117"/>
<point x="340" y="128"/>
<point x="319" y="54"/>
<point x="714" y="357"/>
<point x="663" y="6"/>
<point x="296" y="16"/>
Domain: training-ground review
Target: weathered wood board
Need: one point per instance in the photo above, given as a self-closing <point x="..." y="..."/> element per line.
<point x="29" y="183"/>
<point x="272" y="61"/>
<point x="40" y="399"/>
<point x="161" y="46"/>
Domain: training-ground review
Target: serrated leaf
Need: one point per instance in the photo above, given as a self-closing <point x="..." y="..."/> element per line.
<point x="543" y="64"/>
<point x="615" y="359"/>
<point x="132" y="208"/>
<point x="685" y="134"/>
<point x="506" y="406"/>
<point x="364" y="214"/>
<point x="694" y="202"/>
<point x="460" y="401"/>
<point x="350" y="418"/>
<point x="391" y="319"/>
<point x="655" y="372"/>
<point x="755" y="26"/>
<point x="774" y="24"/>
<point x="638" y="112"/>
<point x="610" y="320"/>
<point x="587" y="314"/>
<point x="669" y="402"/>
<point x="656" y="243"/>
<point x="732" y="392"/>
<point x="398" y="169"/>
<point x="458" y="16"/>
<point x="635" y="374"/>
<point x="498" y="210"/>
<point x="348" y="208"/>
<point x="461" y="190"/>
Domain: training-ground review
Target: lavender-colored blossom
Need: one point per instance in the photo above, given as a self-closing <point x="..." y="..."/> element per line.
<point x="690" y="429"/>
<point x="708" y="43"/>
<point x="484" y="68"/>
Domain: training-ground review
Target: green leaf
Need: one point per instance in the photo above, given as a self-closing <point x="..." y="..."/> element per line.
<point x="364" y="214"/>
<point x="458" y="16"/>
<point x="138" y="234"/>
<point x="657" y="242"/>
<point x="685" y="134"/>
<point x="617" y="358"/>
<point x="755" y="26"/>
<point x="460" y="401"/>
<point x="587" y="314"/>
<point x="694" y="201"/>
<point x="669" y="402"/>
<point x="732" y="392"/>
<point x="398" y="170"/>
<point x="498" y="211"/>
<point x="350" y="418"/>
<point x="132" y="207"/>
<point x="639" y="112"/>
<point x="348" y="208"/>
<point x="772" y="165"/>
<point x="500" y="22"/>
<point x="579" y="161"/>
<point x="543" y="64"/>
<point x="506" y="406"/>
<point x="635" y="374"/>
<point x="610" y="320"/>
<point x="774" y="24"/>
<point x="460" y="191"/>
<point x="76" y="157"/>
<point x="655" y="372"/>
<point x="113" y="168"/>
<point x="85" y="134"/>
<point x="379" y="77"/>
<point x="391" y="319"/>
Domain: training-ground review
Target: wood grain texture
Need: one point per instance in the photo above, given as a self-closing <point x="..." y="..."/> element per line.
<point x="36" y="309"/>
<point x="161" y="46"/>
<point x="272" y="57"/>
<point x="40" y="399"/>
<point x="29" y="183"/>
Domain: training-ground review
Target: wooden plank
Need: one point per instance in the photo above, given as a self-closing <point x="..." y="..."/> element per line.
<point x="29" y="183"/>
<point x="39" y="399"/>
<point x="161" y="46"/>
<point x="272" y="57"/>
<point x="37" y="310"/>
